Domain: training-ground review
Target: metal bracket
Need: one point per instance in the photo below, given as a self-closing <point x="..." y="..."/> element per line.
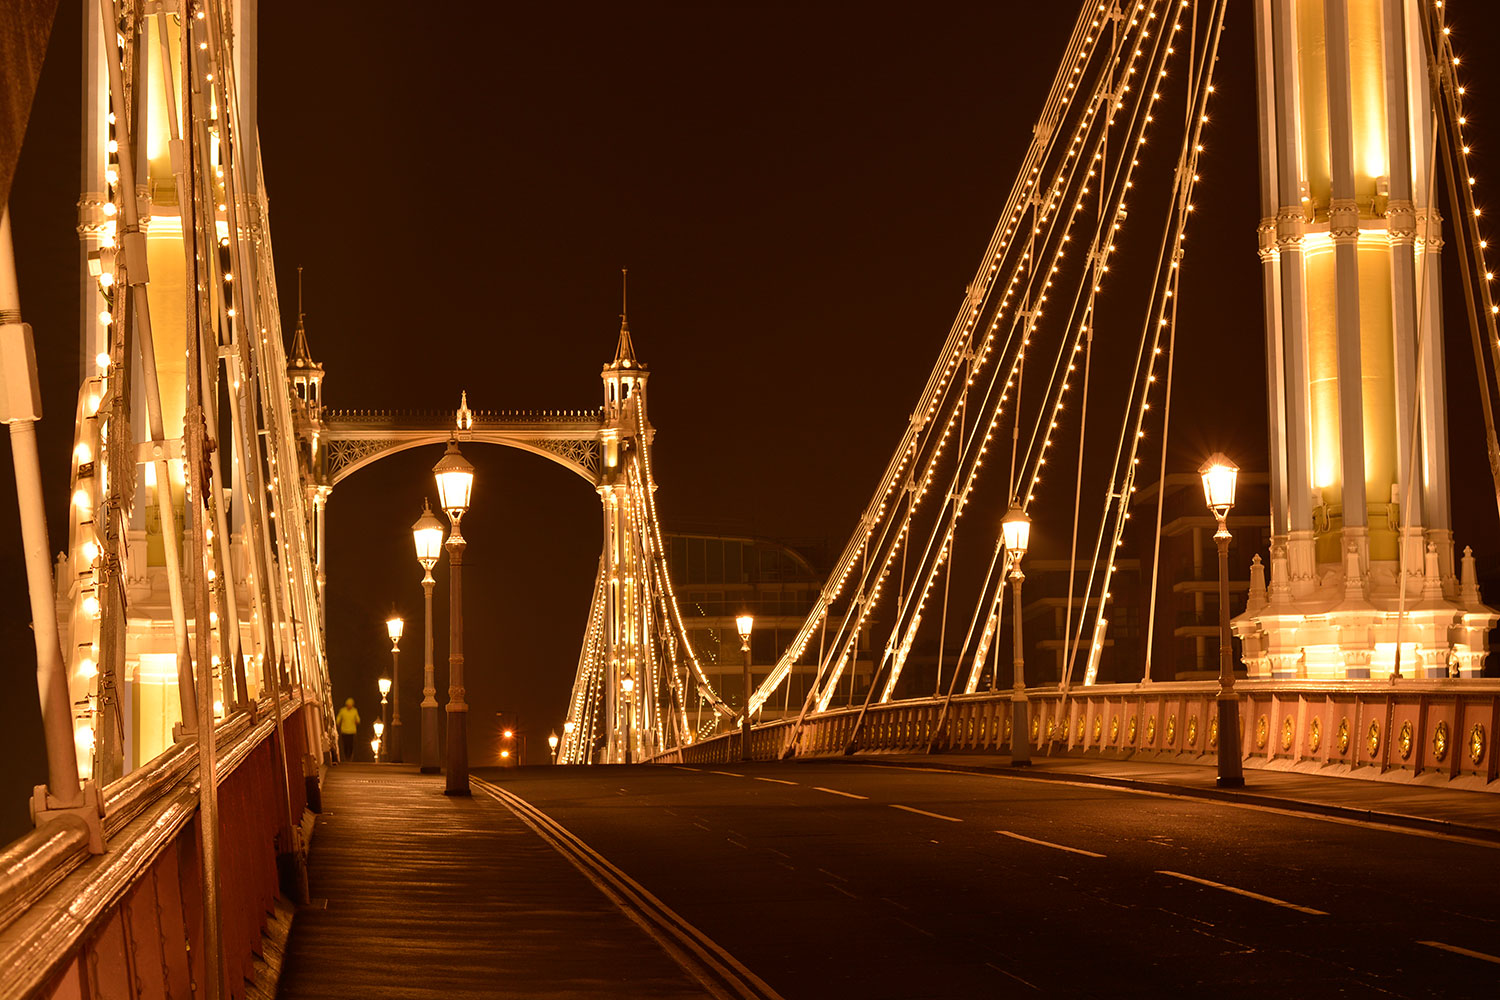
<point x="45" y="808"/>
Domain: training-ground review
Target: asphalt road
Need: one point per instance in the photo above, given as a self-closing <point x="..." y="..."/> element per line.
<point x="837" y="880"/>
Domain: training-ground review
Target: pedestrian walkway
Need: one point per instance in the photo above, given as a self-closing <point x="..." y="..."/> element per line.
<point x="418" y="895"/>
<point x="1462" y="813"/>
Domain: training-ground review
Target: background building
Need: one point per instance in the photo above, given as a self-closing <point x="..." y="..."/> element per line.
<point x="718" y="575"/>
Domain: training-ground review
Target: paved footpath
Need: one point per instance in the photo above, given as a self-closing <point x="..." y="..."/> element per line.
<point x="1443" y="810"/>
<point x="417" y="895"/>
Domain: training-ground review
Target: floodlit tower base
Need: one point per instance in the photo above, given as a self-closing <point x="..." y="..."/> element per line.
<point x="1362" y="569"/>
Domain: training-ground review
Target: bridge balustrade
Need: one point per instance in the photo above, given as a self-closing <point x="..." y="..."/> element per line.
<point x="75" y="924"/>
<point x="1436" y="730"/>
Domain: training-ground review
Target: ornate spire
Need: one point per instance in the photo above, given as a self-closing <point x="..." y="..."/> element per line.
<point x="625" y="351"/>
<point x="301" y="356"/>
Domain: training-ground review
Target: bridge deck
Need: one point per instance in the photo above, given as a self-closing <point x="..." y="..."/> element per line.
<point x="432" y="897"/>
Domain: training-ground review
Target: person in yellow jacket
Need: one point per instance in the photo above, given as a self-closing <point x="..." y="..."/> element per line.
<point x="348" y="723"/>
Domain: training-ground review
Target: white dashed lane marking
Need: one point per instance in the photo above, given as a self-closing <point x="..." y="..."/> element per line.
<point x="835" y="791"/>
<point x="1247" y="893"/>
<point x="924" y="812"/>
<point x="1482" y="956"/>
<point x="1048" y="843"/>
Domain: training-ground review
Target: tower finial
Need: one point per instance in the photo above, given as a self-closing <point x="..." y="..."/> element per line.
<point x="624" y="350"/>
<point x="301" y="356"/>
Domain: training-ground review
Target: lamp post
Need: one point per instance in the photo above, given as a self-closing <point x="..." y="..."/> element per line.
<point x="552" y="744"/>
<point x="393" y="628"/>
<point x="568" y="728"/>
<point x="745" y="624"/>
<point x="427" y="533"/>
<point x="375" y="743"/>
<point x="1016" y="530"/>
<point x="1218" y="490"/>
<point x="455" y="484"/>
<point x="627" y="684"/>
<point x="385" y="690"/>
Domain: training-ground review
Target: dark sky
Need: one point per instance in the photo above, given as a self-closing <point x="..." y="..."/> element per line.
<point x="800" y="195"/>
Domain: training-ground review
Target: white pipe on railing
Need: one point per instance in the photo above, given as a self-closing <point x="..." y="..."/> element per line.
<point x="22" y="408"/>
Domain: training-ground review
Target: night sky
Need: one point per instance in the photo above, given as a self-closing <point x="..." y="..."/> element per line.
<point x="800" y="196"/>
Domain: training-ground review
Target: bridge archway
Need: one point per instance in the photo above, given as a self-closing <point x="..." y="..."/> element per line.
<point x="351" y="440"/>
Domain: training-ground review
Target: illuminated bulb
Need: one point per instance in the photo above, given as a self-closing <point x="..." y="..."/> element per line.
<point x="102" y="360"/>
<point x="109" y="208"/>
<point x="83" y="453"/>
<point x="112" y="146"/>
<point x="106" y="279"/>
<point x="81" y="498"/>
<point x="90" y="551"/>
<point x="87" y="668"/>
<point x="84" y="737"/>
<point x="112" y="176"/>
<point x="91" y="605"/>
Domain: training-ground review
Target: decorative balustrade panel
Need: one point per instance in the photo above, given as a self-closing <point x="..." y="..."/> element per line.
<point x="1437" y="731"/>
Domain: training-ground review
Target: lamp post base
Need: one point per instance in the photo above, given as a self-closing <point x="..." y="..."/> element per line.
<point x="1231" y="768"/>
<point x="431" y="754"/>
<point x="1020" y="745"/>
<point x="458" y="754"/>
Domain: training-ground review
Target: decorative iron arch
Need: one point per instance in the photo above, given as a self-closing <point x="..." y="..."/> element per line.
<point x="347" y="456"/>
<point x="355" y="439"/>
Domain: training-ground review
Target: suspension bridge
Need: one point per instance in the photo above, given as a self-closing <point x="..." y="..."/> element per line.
<point x="180" y="643"/>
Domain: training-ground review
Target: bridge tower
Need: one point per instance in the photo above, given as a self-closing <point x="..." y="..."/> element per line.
<point x="1362" y="560"/>
<point x="306" y="377"/>
<point x="629" y="715"/>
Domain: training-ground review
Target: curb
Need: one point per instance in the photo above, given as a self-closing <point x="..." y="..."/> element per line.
<point x="1428" y="824"/>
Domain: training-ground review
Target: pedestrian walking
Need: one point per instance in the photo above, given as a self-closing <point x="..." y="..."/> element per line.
<point x="348" y="723"/>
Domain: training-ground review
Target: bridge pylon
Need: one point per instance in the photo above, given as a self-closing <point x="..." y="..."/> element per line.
<point x="1363" y="581"/>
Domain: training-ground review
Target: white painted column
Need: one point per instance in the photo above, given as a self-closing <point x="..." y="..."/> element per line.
<point x="1270" y="266"/>
<point x="1290" y="226"/>
<point x="1433" y="431"/>
<point x="1343" y="224"/>
<point x="1402" y="221"/>
<point x="93" y="189"/>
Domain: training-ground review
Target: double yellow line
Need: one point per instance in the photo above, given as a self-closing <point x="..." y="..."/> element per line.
<point x="718" y="971"/>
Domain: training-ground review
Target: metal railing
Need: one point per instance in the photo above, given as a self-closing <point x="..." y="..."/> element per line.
<point x="60" y="904"/>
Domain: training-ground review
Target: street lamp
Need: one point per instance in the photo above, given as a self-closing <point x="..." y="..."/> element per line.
<point x="568" y="728"/>
<point x="427" y="533"/>
<point x="745" y="624"/>
<point x="393" y="628"/>
<point x="375" y="747"/>
<point x="552" y="743"/>
<point x="455" y="483"/>
<point x="379" y="739"/>
<point x="385" y="690"/>
<point x="1218" y="491"/>
<point x="627" y="684"/>
<point x="1015" y="528"/>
